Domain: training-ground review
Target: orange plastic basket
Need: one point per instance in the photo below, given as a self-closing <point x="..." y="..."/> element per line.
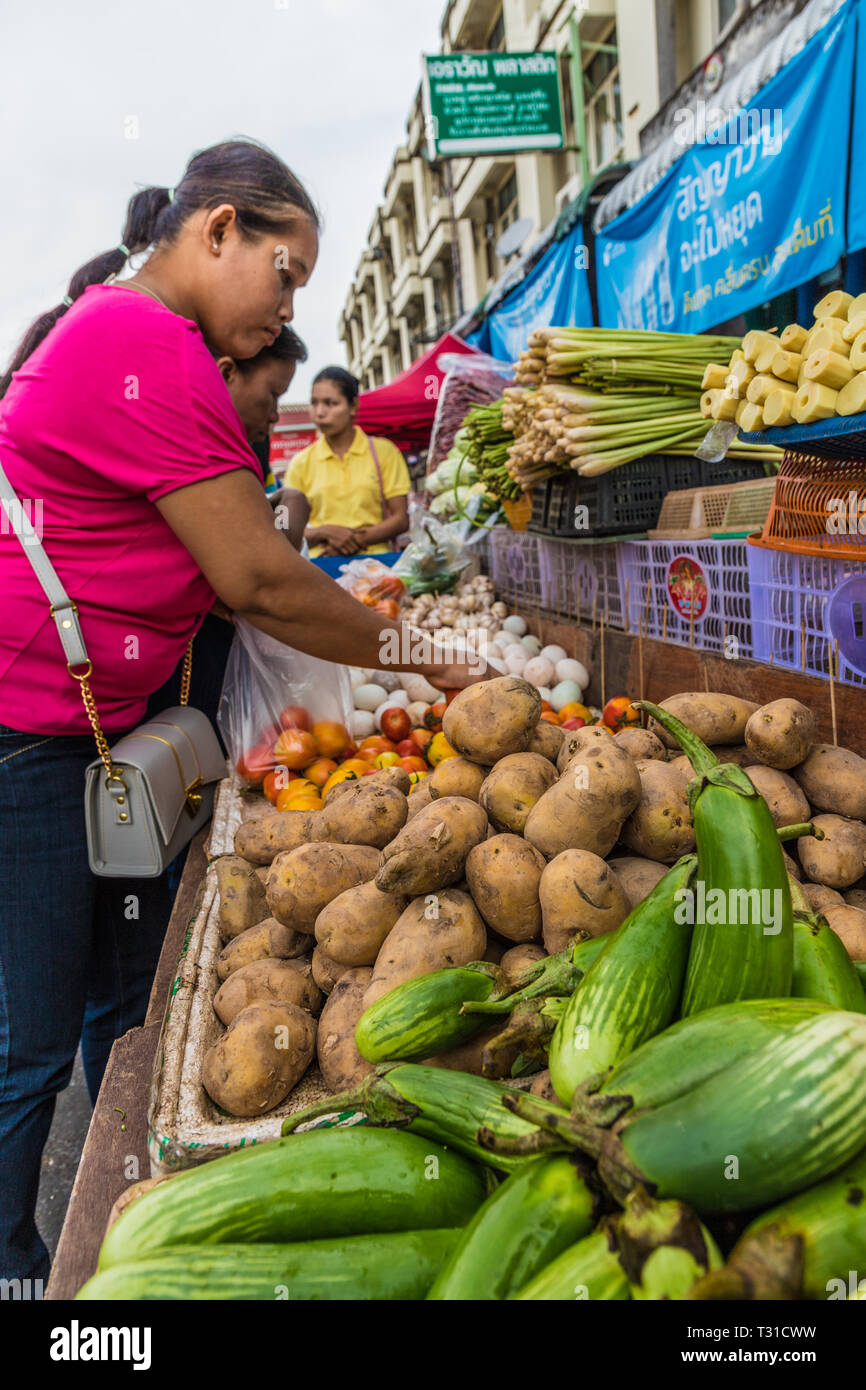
<point x="819" y="507"/>
<point x="518" y="512"/>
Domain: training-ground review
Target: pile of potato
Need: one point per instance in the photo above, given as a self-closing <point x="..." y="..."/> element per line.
<point x="507" y="851"/>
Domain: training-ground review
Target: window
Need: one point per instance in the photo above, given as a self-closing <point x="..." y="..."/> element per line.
<point x="496" y="41"/>
<point x="727" y="10"/>
<point x="603" y="107"/>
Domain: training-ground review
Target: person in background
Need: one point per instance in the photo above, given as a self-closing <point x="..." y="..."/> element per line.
<point x="357" y="487"/>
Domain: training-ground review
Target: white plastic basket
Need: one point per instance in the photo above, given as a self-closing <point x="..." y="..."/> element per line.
<point x="580" y="579"/>
<point x="691" y="592"/>
<point x="515" y="566"/>
<point x="791" y="614"/>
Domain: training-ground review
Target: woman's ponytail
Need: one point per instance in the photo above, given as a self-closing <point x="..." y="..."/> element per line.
<point x="144" y="223"/>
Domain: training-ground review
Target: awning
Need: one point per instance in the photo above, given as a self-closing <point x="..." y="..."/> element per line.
<point x="403" y="410"/>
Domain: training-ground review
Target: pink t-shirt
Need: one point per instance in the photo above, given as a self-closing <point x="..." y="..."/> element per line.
<point x="119" y="405"/>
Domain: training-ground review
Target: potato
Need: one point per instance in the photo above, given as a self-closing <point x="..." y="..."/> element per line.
<point x="579" y="740"/>
<point x="739" y="755"/>
<point x="326" y="972"/>
<point x="242" y="899"/>
<point x="396" y="777"/>
<point x="855" y="897"/>
<point x="793" y="868"/>
<point x="849" y="923"/>
<point x="820" y="896"/>
<point x="637" y="877"/>
<point x="519" y="959"/>
<point x="353" y="926"/>
<point x="262" y="839"/>
<point x="588" y="806"/>
<point x="579" y="892"/>
<point x="788" y="805"/>
<point x="503" y="874"/>
<point x="547" y="739"/>
<point x="839" y="859"/>
<point x="458" y="777"/>
<point x="305" y="880"/>
<point x="340" y="1062"/>
<point x="542" y="1086"/>
<point x="834" y="779"/>
<point x="421" y="796"/>
<point x="512" y="788"/>
<point x="469" y="1055"/>
<point x="660" y="827"/>
<point x="259" y="1059"/>
<point x="433" y="933"/>
<point x="268" y="940"/>
<point x="780" y="734"/>
<point x="491" y="719"/>
<point x="430" y="852"/>
<point x="715" y="718"/>
<point x="369" y="813"/>
<point x="262" y="981"/>
<point x="641" y="743"/>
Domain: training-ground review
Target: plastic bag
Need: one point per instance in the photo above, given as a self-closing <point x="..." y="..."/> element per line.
<point x="436" y="554"/>
<point x="472" y="379"/>
<point x="372" y="582"/>
<point x="263" y="678"/>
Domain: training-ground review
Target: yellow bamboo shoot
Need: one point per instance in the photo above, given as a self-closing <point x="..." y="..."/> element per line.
<point x="778" y="408"/>
<point x="736" y="356"/>
<point x="793" y="338"/>
<point x="761" y="386"/>
<point x="725" y="407"/>
<point x="828" y="369"/>
<point x="830" y="321"/>
<point x="708" y="402"/>
<point x="852" y="398"/>
<point x="741" y="373"/>
<point x="814" y="402"/>
<point x="858" y="354"/>
<point x="786" y="365"/>
<point x="740" y="408"/>
<point x="755" y="342"/>
<point x="751" y="418"/>
<point x="854" y="327"/>
<point x="834" y="305"/>
<point x="715" y="377"/>
<point x="764" y="359"/>
<point x="857" y="307"/>
<point x="826" y="340"/>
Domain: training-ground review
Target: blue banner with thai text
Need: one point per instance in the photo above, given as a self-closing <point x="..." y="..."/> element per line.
<point x="857" y="184"/>
<point x="555" y="292"/>
<point x="755" y="205"/>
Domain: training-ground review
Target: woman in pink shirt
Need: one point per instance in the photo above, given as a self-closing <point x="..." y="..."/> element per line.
<point x="117" y="430"/>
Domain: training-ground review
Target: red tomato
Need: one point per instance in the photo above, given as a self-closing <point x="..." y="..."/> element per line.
<point x="422" y="738"/>
<point x="413" y="764"/>
<point x="296" y="717"/>
<point x="449" y="696"/>
<point x="295" y="748"/>
<point x="546" y="707"/>
<point x="573" y="723"/>
<point x="270" y="734"/>
<point x="396" y="724"/>
<point x="407" y="747"/>
<point x="256" y="763"/>
<point x="377" y="742"/>
<point x="332" y="739"/>
<point x="388" y="608"/>
<point x="433" y="717"/>
<point x="276" y="782"/>
<point x="551" y="717"/>
<point x="620" y="713"/>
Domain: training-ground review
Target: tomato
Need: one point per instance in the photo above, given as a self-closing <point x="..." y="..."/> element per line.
<point x="385" y="586"/>
<point x="573" y="723"/>
<point x="433" y="717"/>
<point x="343" y="774"/>
<point x="575" y="711"/>
<point x="299" y="788"/>
<point x="407" y="748"/>
<point x="440" y="750"/>
<point x="295" y="748"/>
<point x="357" y="765"/>
<point x="551" y="717"/>
<point x="332" y="739"/>
<point x="416" y="777"/>
<point x="421" y="738"/>
<point x="388" y="608"/>
<point x="255" y="764"/>
<point x="620" y="713"/>
<point x="449" y="696"/>
<point x="387" y="760"/>
<point x="414" y="764"/>
<point x="270" y="734"/>
<point x="396" y="724"/>
<point x="377" y="742"/>
<point x="546" y="707"/>
<point x="370" y="754"/>
<point x="351" y="751"/>
<point x="319" y="771"/>
<point x="296" y="717"/>
<point x="276" y="782"/>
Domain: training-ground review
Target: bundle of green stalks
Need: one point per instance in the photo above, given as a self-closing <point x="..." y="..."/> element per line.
<point x="488" y="442"/>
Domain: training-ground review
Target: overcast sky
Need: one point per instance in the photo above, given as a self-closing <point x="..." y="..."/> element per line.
<point x="325" y="83"/>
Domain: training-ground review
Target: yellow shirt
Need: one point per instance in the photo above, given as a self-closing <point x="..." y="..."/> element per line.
<point x="345" y="491"/>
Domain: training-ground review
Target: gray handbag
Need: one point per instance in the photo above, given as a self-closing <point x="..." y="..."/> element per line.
<point x="147" y="797"/>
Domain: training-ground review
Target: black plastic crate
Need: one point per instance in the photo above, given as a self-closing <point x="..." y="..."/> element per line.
<point x="540" y="503"/>
<point x="628" y="499"/>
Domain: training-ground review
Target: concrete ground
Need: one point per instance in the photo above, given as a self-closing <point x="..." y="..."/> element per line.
<point x="60" y="1159"/>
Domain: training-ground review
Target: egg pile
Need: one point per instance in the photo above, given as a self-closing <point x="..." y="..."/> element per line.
<point x="558" y="678"/>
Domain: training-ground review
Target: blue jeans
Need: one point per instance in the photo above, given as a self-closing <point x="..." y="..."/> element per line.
<point x="77" y="960"/>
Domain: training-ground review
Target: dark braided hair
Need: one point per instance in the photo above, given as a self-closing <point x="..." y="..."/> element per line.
<point x="242" y="172"/>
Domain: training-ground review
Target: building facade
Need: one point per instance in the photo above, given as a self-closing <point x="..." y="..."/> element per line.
<point x="431" y="253"/>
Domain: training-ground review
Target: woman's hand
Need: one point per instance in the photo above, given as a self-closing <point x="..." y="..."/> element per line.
<point x="458" y="675"/>
<point x="342" y="538"/>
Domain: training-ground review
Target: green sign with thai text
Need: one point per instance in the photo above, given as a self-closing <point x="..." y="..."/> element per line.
<point x="492" y="103"/>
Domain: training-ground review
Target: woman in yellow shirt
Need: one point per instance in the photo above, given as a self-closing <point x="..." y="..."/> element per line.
<point x="357" y="487"/>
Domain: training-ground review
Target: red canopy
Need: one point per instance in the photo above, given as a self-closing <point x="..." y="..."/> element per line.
<point x="403" y="410"/>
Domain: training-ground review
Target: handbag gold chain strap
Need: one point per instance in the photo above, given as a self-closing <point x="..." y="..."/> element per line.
<point x="93" y="714"/>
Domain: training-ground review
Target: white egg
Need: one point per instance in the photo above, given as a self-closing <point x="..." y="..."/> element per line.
<point x="369" y="697"/>
<point x="554" y="654"/>
<point x="497" y="666"/>
<point x="515" y="657"/>
<point x="418" y="688"/>
<point x="538" y="671"/>
<point x="515" y="624"/>
<point x="565" y="693"/>
<point x="362" y="724"/>
<point x="514" y="665"/>
<point x="531" y="643"/>
<point x="544" y="693"/>
<point x="357" y="677"/>
<point x="569" y="670"/>
<point x="389" y="680"/>
<point x="416" y="711"/>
